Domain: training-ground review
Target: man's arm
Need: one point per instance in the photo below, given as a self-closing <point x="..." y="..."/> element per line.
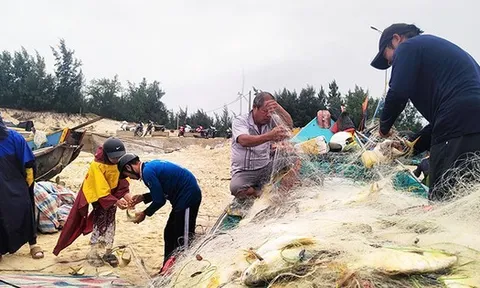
<point x="241" y="134"/>
<point x="394" y="105"/>
<point x="152" y="208"/>
<point x="25" y="156"/>
<point x="424" y="139"/>
<point x="417" y="172"/>
<point x="247" y="140"/>
<point x="273" y="106"/>
<point x="156" y="195"/>
<point x="287" y="119"/>
<point x="403" y="83"/>
<point x="147" y="198"/>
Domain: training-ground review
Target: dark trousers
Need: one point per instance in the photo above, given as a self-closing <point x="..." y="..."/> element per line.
<point x="33" y="238"/>
<point x="447" y="155"/>
<point x="180" y="226"/>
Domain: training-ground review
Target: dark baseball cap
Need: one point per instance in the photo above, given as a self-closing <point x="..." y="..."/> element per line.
<point x="379" y="61"/>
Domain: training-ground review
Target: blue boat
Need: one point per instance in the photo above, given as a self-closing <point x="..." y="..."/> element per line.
<point x="53" y="139"/>
<point x="312" y="130"/>
<point x="61" y="148"/>
<point x="50" y="161"/>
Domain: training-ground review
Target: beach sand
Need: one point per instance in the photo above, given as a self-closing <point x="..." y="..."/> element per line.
<point x="210" y="166"/>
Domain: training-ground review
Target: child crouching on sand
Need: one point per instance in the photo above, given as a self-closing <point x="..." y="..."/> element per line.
<point x="104" y="189"/>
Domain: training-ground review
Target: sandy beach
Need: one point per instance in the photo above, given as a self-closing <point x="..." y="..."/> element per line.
<point x="211" y="166"/>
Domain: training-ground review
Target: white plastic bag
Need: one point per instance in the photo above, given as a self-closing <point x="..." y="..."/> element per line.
<point x="39" y="139"/>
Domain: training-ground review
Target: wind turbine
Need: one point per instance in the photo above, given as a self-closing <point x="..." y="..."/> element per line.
<point x="242" y="96"/>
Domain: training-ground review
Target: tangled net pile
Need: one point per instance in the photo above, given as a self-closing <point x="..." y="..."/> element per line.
<point x="365" y="232"/>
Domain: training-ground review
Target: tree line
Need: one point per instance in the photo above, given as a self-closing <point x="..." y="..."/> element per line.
<point x="26" y="84"/>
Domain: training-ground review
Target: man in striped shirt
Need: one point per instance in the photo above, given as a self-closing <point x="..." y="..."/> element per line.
<point x="253" y="134"/>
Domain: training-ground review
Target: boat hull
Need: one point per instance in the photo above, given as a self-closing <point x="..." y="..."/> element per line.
<point x="50" y="161"/>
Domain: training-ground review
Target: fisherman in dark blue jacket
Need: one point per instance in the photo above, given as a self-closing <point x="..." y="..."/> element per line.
<point x="166" y="181"/>
<point x="443" y="82"/>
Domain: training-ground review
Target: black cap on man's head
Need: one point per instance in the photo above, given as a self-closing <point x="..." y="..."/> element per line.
<point x="379" y="61"/>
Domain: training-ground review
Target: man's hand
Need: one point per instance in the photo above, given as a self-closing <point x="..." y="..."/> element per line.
<point x="271" y="105"/>
<point x="139" y="217"/>
<point x="278" y="133"/>
<point x="122" y="204"/>
<point x="135" y="200"/>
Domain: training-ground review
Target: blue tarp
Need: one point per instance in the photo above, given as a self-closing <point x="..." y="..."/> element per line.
<point x="312" y="130"/>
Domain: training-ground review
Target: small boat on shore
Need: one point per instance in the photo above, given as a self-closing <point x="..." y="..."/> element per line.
<point x="51" y="160"/>
<point x="61" y="148"/>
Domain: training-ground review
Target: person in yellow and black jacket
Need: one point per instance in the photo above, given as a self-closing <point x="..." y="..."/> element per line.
<point x="17" y="206"/>
<point x="105" y="191"/>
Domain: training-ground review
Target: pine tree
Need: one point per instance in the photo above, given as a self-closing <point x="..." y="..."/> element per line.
<point x="334" y="100"/>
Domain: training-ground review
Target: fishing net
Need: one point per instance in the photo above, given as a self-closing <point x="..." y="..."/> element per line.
<point x="362" y="232"/>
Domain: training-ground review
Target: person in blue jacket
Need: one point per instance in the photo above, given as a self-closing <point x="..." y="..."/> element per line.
<point x="166" y="181"/>
<point x="443" y="82"/>
<point x="17" y="205"/>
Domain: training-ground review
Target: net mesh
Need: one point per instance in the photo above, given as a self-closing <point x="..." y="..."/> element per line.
<point x="356" y="218"/>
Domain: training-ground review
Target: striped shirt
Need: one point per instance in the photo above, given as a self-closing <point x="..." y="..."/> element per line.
<point x="249" y="158"/>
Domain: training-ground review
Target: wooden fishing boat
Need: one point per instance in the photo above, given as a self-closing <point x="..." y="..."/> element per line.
<point x="53" y="139"/>
<point x="50" y="161"/>
<point x="62" y="147"/>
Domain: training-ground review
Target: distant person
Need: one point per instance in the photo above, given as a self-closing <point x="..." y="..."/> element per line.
<point x="443" y="83"/>
<point x="166" y="181"/>
<point x="17" y="205"/>
<point x="423" y="167"/>
<point x="105" y="191"/>
<point x="252" y="137"/>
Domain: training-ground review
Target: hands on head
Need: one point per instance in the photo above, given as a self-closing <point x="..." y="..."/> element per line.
<point x="280" y="132"/>
<point x="271" y="105"/>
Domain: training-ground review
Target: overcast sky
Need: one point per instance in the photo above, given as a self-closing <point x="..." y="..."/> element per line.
<point x="198" y="49"/>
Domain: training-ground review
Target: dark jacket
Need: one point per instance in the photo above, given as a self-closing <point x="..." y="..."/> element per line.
<point x="443" y="83"/>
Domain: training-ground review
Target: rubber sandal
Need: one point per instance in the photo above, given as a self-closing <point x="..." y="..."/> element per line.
<point x="111" y="259"/>
<point x="36" y="252"/>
